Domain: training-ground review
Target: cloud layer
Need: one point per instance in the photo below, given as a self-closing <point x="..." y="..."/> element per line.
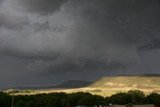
<point x="76" y="36"/>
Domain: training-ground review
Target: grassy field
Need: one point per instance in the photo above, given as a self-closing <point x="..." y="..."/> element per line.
<point x="95" y="91"/>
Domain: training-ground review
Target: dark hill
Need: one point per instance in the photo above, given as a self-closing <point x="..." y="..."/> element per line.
<point x="67" y="84"/>
<point x="73" y="84"/>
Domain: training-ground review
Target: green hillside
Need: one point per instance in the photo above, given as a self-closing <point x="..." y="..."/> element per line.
<point x="134" y="81"/>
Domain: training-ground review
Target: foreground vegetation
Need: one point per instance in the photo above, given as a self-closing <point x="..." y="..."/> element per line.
<point x="79" y="98"/>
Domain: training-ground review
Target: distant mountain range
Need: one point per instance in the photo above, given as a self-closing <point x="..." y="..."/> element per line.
<point x="144" y="81"/>
<point x="73" y="84"/>
<point x="65" y="85"/>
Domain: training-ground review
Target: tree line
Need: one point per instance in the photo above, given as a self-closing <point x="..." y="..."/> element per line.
<point x="79" y="98"/>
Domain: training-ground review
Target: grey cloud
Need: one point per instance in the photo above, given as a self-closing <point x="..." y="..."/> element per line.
<point x="58" y="67"/>
<point x="154" y="44"/>
<point x="37" y="6"/>
<point x="11" y="22"/>
<point x="81" y="35"/>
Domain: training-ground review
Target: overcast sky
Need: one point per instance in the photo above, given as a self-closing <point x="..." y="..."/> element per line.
<point x="46" y="42"/>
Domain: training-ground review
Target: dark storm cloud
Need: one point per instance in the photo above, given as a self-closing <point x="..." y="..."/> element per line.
<point x="60" y="36"/>
<point x="9" y="21"/>
<point x="37" y="6"/>
<point x="154" y="44"/>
